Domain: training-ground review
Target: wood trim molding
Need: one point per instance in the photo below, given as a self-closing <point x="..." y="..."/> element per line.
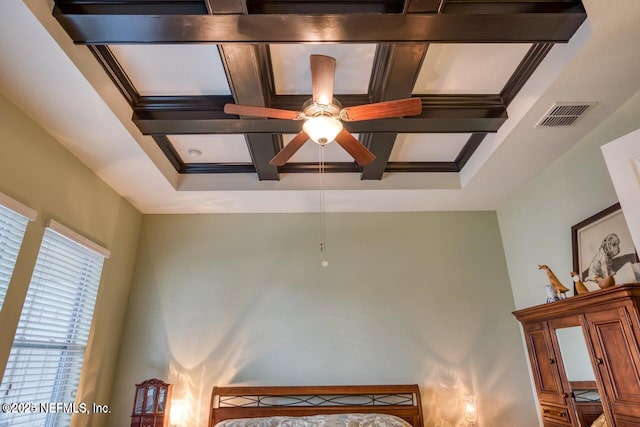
<point x="527" y="66"/>
<point x="170" y="152"/>
<point x="110" y="25"/>
<point x="116" y="73"/>
<point x="312" y="167"/>
<point x="469" y="148"/>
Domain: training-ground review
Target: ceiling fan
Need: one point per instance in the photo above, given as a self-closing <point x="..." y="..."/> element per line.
<point x="323" y="115"/>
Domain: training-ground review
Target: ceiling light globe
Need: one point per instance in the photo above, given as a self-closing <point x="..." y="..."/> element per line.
<point x="322" y="129"/>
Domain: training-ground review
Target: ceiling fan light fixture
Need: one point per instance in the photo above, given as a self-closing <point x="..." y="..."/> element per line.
<point x="322" y="129"/>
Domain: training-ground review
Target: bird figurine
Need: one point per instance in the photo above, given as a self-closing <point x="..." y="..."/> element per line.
<point x="605" y="283"/>
<point x="555" y="283"/>
<point x="580" y="287"/>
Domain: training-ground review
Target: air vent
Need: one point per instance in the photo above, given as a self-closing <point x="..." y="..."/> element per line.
<point x="564" y="114"/>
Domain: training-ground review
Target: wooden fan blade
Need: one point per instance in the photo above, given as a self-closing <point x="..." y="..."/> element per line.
<point x="272" y="113"/>
<point x="382" y="110"/>
<point x="352" y="146"/>
<point x="323" y="70"/>
<point x="289" y="150"/>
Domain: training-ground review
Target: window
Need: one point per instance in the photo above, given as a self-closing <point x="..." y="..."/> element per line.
<point x="48" y="349"/>
<point x="13" y="222"/>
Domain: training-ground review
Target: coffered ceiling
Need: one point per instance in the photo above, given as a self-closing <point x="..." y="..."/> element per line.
<point x="163" y="70"/>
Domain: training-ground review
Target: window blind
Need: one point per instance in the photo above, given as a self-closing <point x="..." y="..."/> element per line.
<point x="12" y="228"/>
<point x="48" y="350"/>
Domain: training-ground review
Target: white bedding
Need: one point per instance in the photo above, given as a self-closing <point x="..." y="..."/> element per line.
<point x="334" y="420"/>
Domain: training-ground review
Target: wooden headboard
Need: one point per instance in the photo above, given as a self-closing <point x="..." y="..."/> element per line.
<point x="250" y="402"/>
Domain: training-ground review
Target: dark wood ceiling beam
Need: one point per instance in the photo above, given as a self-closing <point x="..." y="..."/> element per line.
<point x="308" y="7"/>
<point x="350" y="28"/>
<point x="251" y="83"/>
<point x="312" y="167"/>
<point x="294" y="102"/>
<point x="248" y="72"/>
<point x="145" y="7"/>
<point x="423" y="6"/>
<point x="189" y="124"/>
<point x="223" y="7"/>
<point x="510" y="6"/>
<point x="323" y="6"/>
<point x="422" y="167"/>
<point x="204" y="114"/>
<point x="395" y="71"/>
<point x="217" y="168"/>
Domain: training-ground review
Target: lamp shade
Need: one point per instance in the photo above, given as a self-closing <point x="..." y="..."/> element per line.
<point x="322" y="129"/>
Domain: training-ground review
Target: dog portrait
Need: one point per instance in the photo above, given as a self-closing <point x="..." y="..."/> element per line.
<point x="602" y="246"/>
<point x="602" y="263"/>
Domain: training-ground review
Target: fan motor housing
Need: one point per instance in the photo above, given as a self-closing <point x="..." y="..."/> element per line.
<point x="313" y="109"/>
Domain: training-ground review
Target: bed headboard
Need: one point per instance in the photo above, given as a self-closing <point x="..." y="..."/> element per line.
<point x="297" y="401"/>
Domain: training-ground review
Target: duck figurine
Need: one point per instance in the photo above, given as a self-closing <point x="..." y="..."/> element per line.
<point x="553" y="280"/>
<point x="580" y="287"/>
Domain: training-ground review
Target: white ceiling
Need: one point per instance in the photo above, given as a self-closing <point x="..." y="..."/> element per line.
<point x="420" y="147"/>
<point x="468" y="68"/>
<point x="212" y="148"/>
<point x="64" y="89"/>
<point x="192" y="70"/>
<point x="291" y="73"/>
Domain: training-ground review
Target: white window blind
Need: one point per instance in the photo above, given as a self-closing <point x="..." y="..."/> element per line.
<point x="48" y="349"/>
<point x="13" y="223"/>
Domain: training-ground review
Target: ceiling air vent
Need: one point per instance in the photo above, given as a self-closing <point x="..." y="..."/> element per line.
<point x="564" y="114"/>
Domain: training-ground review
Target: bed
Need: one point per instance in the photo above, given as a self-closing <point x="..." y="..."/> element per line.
<point x="233" y="403"/>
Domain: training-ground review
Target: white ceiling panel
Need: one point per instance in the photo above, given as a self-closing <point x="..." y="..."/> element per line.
<point x="310" y="152"/>
<point x="468" y="68"/>
<point x="432" y="147"/>
<point x="178" y="69"/>
<point x="213" y="148"/>
<point x="292" y="75"/>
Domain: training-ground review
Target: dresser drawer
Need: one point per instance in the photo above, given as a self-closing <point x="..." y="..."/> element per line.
<point x="547" y="423"/>
<point x="555" y="413"/>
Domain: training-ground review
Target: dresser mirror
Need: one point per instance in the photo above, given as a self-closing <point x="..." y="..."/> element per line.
<point x="579" y="374"/>
<point x="575" y="355"/>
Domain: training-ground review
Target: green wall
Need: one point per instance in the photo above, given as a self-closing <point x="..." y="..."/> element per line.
<point x="407" y="298"/>
<point x="37" y="171"/>
<point x="536" y="223"/>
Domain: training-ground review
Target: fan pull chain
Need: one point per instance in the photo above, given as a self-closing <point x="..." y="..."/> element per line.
<point x="323" y="243"/>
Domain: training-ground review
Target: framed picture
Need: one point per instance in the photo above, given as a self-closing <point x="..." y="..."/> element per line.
<point x="602" y="246"/>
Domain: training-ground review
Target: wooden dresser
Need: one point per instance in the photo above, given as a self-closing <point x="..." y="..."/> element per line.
<point x="610" y="322"/>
